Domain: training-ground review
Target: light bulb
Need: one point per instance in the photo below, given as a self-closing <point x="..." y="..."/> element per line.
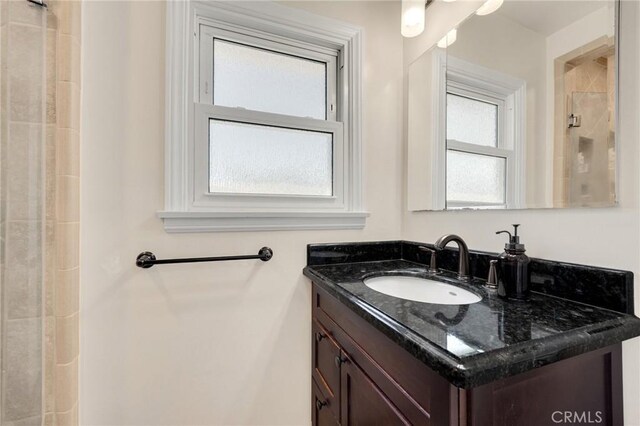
<point x="449" y="39"/>
<point x="412" y="23"/>
<point x="489" y="6"/>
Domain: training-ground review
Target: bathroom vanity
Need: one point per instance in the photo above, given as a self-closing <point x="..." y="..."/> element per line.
<point x="379" y="359"/>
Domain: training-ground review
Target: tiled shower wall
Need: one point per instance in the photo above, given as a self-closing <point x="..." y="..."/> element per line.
<point x="39" y="211"/>
<point x="570" y="78"/>
<point x="22" y="145"/>
<point x="590" y="88"/>
<point x="63" y="219"/>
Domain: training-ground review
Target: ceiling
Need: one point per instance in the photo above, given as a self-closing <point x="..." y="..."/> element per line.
<point x="548" y="16"/>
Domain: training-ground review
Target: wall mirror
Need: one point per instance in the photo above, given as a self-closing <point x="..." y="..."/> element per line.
<point x="518" y="111"/>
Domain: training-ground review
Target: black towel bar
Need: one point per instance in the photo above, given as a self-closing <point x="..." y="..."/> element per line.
<point x="146" y="259"/>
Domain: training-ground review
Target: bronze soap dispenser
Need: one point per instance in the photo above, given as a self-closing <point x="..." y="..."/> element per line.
<point x="513" y="268"/>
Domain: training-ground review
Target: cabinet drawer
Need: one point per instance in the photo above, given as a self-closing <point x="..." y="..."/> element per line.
<point x="322" y="406"/>
<point x="326" y="372"/>
<point x="363" y="403"/>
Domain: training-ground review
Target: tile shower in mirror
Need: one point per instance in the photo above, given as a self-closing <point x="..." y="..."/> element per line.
<point x="518" y="111"/>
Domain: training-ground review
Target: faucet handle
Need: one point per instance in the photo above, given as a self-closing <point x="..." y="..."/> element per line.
<point x="432" y="259"/>
<point x="492" y="280"/>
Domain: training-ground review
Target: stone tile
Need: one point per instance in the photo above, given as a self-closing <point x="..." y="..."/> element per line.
<point x="23" y="270"/>
<point x="66" y="339"/>
<point x="3" y="13"/>
<point x="66" y="386"/>
<point x="52" y="75"/>
<point x="49" y="363"/>
<point x="570" y="81"/>
<point x="25" y="148"/>
<point x="49" y="419"/>
<point x="31" y="421"/>
<point x="67" y="294"/>
<point x="69" y="12"/>
<point x="26" y="73"/>
<point x="3" y="76"/>
<point x="26" y="13"/>
<point x="50" y="172"/>
<point x="68" y="152"/>
<point x="68" y="235"/>
<point x="68" y="199"/>
<point x="68" y="59"/>
<point x="50" y="269"/>
<point x="68" y="105"/>
<point x="63" y="104"/>
<point x="52" y="17"/>
<point x="68" y="418"/>
<point x="22" y="364"/>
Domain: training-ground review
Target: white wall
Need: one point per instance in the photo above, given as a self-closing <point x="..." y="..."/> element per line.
<point x="607" y="237"/>
<point x="225" y="343"/>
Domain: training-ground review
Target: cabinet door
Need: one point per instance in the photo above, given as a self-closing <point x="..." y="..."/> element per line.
<point x="585" y="389"/>
<point x="321" y="408"/>
<point x="361" y="402"/>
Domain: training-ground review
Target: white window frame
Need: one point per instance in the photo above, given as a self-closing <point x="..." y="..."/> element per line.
<point x="509" y="95"/>
<point x="189" y="207"/>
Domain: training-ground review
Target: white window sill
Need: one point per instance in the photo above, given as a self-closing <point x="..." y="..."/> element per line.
<point x="178" y="222"/>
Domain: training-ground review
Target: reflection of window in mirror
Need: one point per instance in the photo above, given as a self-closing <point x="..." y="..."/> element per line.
<point x="484" y="145"/>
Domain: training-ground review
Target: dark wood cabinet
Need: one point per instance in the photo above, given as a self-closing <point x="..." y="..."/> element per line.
<point x="362" y="402"/>
<point x="326" y="373"/>
<point x="361" y="377"/>
<point x="342" y="392"/>
<point x="322" y="407"/>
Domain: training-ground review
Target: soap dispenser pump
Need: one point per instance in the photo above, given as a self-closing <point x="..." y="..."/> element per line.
<point x="513" y="270"/>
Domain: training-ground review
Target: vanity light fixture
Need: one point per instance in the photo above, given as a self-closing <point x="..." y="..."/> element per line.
<point x="412" y="21"/>
<point x="489" y="6"/>
<point x="449" y="39"/>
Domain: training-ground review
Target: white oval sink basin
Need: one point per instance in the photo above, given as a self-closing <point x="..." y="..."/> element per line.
<point x="421" y="290"/>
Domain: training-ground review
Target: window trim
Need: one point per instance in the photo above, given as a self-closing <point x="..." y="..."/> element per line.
<point x="509" y="93"/>
<point x="182" y="212"/>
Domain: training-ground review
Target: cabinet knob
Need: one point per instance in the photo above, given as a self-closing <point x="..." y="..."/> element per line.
<point x="320" y="336"/>
<point x="339" y="360"/>
<point x="320" y="404"/>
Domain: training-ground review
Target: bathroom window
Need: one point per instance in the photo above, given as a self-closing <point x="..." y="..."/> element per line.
<point x="272" y="121"/>
<point x="271" y="139"/>
<point x="483" y="150"/>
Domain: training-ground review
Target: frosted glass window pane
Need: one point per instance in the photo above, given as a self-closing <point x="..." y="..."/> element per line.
<point x="262" y="80"/>
<point x="472" y="121"/>
<point x="474" y="178"/>
<point x="256" y="159"/>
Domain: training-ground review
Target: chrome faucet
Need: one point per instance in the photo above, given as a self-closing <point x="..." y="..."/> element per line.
<point x="463" y="263"/>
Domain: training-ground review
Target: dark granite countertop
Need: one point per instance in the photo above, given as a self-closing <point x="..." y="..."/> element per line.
<point x="474" y="344"/>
